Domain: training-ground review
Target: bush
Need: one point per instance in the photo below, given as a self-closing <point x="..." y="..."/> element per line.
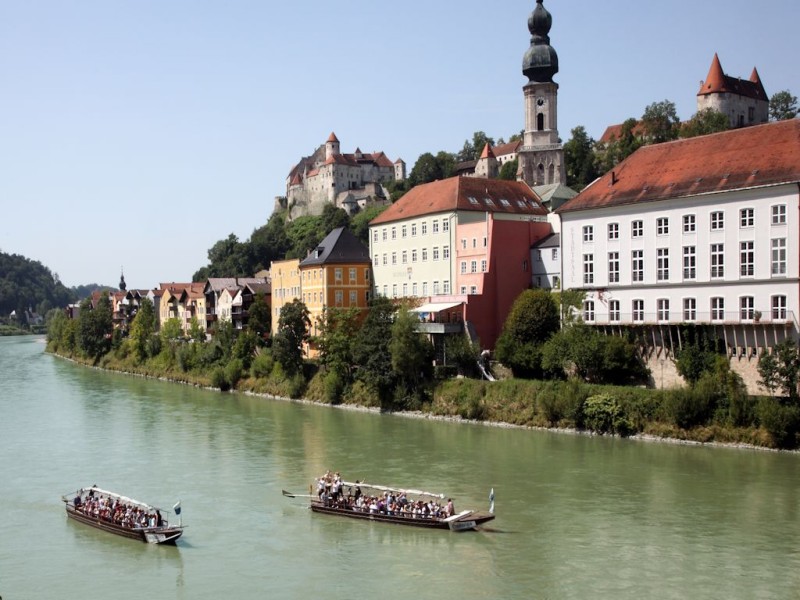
<point x="780" y="421"/>
<point x="601" y="413"/>
<point x="262" y="365"/>
<point x="219" y="379"/>
<point x="233" y="371"/>
<point x="334" y="387"/>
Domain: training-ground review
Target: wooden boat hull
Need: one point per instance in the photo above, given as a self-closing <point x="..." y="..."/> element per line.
<point x="464" y="521"/>
<point x="151" y="535"/>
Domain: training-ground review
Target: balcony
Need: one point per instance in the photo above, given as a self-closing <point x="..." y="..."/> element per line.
<point x="785" y="318"/>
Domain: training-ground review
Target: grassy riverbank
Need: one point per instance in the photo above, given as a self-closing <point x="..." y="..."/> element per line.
<point x="682" y="414"/>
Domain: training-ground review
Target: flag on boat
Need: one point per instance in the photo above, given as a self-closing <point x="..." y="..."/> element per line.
<point x="177" y="507"/>
<point x="491" y="501"/>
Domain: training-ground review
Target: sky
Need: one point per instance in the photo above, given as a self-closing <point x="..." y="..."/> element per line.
<point x="135" y="134"/>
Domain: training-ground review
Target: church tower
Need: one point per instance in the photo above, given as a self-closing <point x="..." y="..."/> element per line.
<point x="541" y="157"/>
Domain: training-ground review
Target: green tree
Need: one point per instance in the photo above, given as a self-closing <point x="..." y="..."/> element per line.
<point x="292" y="334"/>
<point x="304" y="233"/>
<point x="780" y="371"/>
<point x="533" y="319"/>
<point x="432" y="168"/>
<point x="782" y="106"/>
<point x="332" y="218"/>
<point x="143" y="328"/>
<point x="705" y="121"/>
<point x="95" y="328"/>
<point x="660" y="122"/>
<point x="359" y="224"/>
<point x="259" y="317"/>
<point x="579" y="159"/>
<point x="171" y="331"/>
<point x="269" y="242"/>
<point x="371" y="353"/>
<point x="412" y="354"/>
<point x="509" y="170"/>
<point x="336" y="342"/>
<point x="618" y="149"/>
<point x="472" y="148"/>
<point x="226" y="258"/>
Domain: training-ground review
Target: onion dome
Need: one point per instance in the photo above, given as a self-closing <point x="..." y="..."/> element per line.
<point x="540" y="62"/>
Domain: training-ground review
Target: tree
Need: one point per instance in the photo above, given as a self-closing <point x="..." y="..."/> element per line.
<point x="95" y="328"/>
<point x="509" y="170"/>
<point x="143" y="328"/>
<point x="660" y="122"/>
<point x="332" y="218"/>
<point x="703" y="122"/>
<point x="618" y="149"/>
<point x="371" y="353"/>
<point x="472" y="149"/>
<point x="780" y="371"/>
<point x="259" y="317"/>
<point x="412" y="354"/>
<point x="579" y="159"/>
<point x="292" y="334"/>
<point x="533" y="319"/>
<point x="336" y="340"/>
<point x="782" y="106"/>
<point x="431" y="168"/>
<point x="359" y="224"/>
<point x="228" y="258"/>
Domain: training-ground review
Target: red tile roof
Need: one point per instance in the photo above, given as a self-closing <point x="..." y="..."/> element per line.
<point x="332" y="137"/>
<point x="718" y="83"/>
<point x="487" y="151"/>
<point x="464" y="193"/>
<point x="613" y="132"/>
<point x="508" y="148"/>
<point x="741" y="158"/>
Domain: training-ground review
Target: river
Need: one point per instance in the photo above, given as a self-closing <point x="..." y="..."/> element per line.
<point x="577" y="516"/>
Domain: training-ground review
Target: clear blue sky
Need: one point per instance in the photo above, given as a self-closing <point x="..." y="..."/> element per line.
<point x="136" y="134"/>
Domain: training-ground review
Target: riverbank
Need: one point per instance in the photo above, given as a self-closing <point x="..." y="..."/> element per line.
<point x="568" y="407"/>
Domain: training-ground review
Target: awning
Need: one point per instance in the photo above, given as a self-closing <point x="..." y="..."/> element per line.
<point x="434" y="307"/>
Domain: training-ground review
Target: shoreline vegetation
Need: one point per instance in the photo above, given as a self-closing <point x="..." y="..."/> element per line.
<point x="523" y="404"/>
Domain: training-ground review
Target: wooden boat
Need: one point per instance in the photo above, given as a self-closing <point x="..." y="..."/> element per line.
<point x="344" y="506"/>
<point x="95" y="507"/>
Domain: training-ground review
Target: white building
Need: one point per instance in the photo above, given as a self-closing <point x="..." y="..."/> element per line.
<point x="701" y="230"/>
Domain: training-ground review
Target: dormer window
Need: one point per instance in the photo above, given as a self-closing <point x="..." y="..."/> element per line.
<point x="472" y="200"/>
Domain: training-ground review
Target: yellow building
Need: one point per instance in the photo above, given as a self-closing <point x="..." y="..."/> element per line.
<point x="285" y="277"/>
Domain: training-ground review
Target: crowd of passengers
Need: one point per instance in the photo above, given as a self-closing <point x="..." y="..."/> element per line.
<point x="331" y="492"/>
<point x="113" y="510"/>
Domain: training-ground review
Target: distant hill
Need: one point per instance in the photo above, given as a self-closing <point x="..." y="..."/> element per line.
<point x="27" y="285"/>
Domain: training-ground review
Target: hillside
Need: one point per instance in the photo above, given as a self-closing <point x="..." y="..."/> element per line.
<point x="28" y="285"/>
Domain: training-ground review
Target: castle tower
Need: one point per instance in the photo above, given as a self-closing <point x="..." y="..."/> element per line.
<point x="122" y="286"/>
<point x="331" y="146"/>
<point x="487" y="164"/>
<point x="541" y="157"/>
<point x="743" y="101"/>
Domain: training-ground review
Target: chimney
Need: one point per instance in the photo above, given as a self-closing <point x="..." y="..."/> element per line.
<point x="613" y="177"/>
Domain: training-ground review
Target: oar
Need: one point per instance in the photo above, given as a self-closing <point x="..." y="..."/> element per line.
<point x="290" y="495"/>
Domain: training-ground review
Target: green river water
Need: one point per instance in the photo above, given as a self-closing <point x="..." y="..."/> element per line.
<point x="577" y="516"/>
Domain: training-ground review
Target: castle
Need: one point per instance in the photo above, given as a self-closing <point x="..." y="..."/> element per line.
<point x="348" y="181"/>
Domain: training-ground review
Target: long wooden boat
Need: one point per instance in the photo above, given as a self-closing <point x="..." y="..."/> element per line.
<point x="121" y="515"/>
<point x="408" y="507"/>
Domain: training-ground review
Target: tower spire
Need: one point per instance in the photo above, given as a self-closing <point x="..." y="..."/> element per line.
<point x="540" y="62"/>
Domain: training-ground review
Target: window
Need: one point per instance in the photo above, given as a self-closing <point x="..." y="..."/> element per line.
<point x="556" y="282"/>
<point x="778" y="308"/>
<point x="414" y="289"/>
<point x="445" y="225"/>
<point x="472" y="200"/>
<point x="613" y="267"/>
<point x="375" y="235"/>
<point x="483" y="266"/>
<point x="485" y="240"/>
<point x="746" y="217"/>
<point x="436" y="253"/>
<point x="414" y="255"/>
<point x="689" y="224"/>
<point x="662" y="226"/>
<point x="747" y="308"/>
<point x="339" y="295"/>
<point x="689" y="309"/>
<point x="473" y="289"/>
<point x="662" y="305"/>
<point x="383" y="233"/>
<point x="403" y="231"/>
<point x="446" y="287"/>
<point x="538" y="256"/>
<point x="424" y="228"/>
<point x="717" y="309"/>
<point x="746" y="259"/>
<point x="779" y="256"/>
<point x="637" y="265"/>
<point x="385" y="291"/>
<point x="662" y="264"/>
<point x="337" y="275"/>
<point x="717" y="261"/>
<point x="638" y="311"/>
<point x="394" y="233"/>
<point x="588" y="233"/>
<point x="354" y="297"/>
<point x="353" y="275"/>
<point x="424" y="288"/>
<point x="689" y="262"/>
<point x="435" y="288"/>
<point x="473" y="266"/>
<point x="637" y="229"/>
<point x="474" y="242"/>
<point x="463" y="267"/>
<point x="779" y="214"/>
<point x="445" y="252"/>
<point x="463" y="289"/>
<point x="366" y="274"/>
<point x="394" y="258"/>
<point x="588" y="311"/>
<point x="385" y="261"/>
<point x="554" y="254"/>
<point x="613" y="311"/>
<point x="413" y="230"/>
<point x="717" y="220"/>
<point x="435" y="226"/>
<point x="588" y="269"/>
<point x="613" y="231"/>
<point x="394" y="290"/>
<point x="404" y="257"/>
<point x="463" y="243"/>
